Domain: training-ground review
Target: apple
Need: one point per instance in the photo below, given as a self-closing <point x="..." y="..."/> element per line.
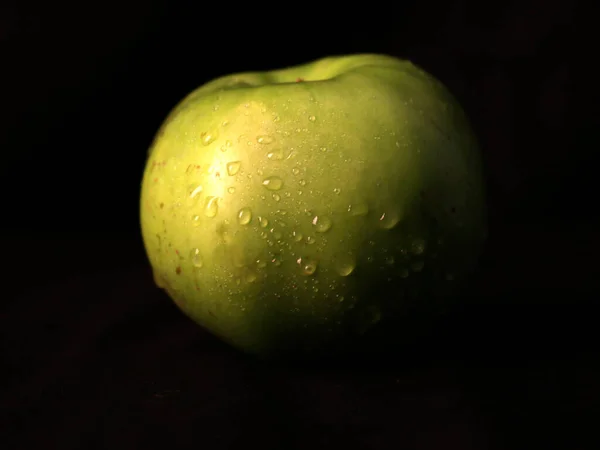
<point x="298" y="211"/>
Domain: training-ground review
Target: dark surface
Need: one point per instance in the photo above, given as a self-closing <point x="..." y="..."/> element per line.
<point x="94" y="356"/>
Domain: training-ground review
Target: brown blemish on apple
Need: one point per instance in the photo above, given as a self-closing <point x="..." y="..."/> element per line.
<point x="162" y="205"/>
<point x="212" y="313"/>
<point x="299" y="80"/>
<point x="178" y="270"/>
<point x="157" y="163"/>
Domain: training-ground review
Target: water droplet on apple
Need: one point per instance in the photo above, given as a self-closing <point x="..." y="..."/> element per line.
<point x="211" y="206"/>
<point x="417" y="266"/>
<point x="297" y="236"/>
<point x="244" y="216"/>
<point x="264" y="139"/>
<point x="195" y="192"/>
<point x="404" y="273"/>
<point x="295" y="170"/>
<point x="390" y="260"/>
<point x="233" y="167"/>
<point x="231" y="189"/>
<point x="227" y="144"/>
<point x="250" y="277"/>
<point x="275" y="155"/>
<point x="276" y="197"/>
<point x="308" y="266"/>
<point x="263" y="221"/>
<point x="196" y="258"/>
<point x="417" y="246"/>
<point x="358" y="208"/>
<point x="312" y="118"/>
<point x="261" y="263"/>
<point x="337" y="191"/>
<point x="273" y="183"/>
<point x="321" y="224"/>
<point x="344" y="264"/>
<point x="310" y="240"/>
<point x="389" y="219"/>
<point x="208" y="137"/>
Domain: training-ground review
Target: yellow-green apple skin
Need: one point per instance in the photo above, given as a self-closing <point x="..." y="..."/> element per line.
<point x="296" y="211"/>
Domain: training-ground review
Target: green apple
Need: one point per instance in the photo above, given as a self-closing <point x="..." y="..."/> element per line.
<point x="299" y="210"/>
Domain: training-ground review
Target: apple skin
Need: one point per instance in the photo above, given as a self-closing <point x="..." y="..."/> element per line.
<point x="298" y="211"/>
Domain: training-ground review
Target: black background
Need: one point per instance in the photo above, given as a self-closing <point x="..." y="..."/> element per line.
<point x="94" y="356"/>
